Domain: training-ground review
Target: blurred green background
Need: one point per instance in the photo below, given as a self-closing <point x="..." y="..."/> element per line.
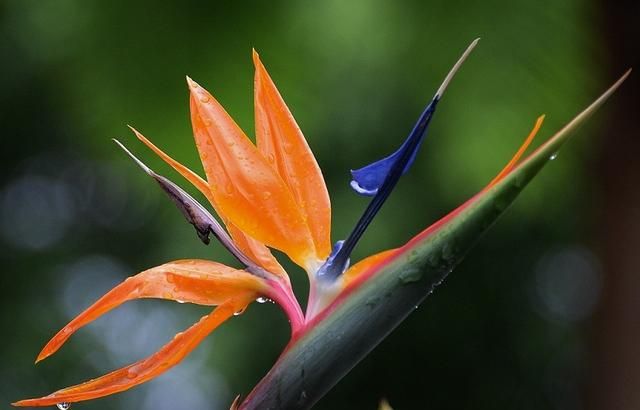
<point x="543" y="313"/>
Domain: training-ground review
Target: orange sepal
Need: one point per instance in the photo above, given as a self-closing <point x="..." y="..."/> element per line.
<point x="192" y="280"/>
<point x="187" y="173"/>
<point x="167" y="357"/>
<point x="254" y="249"/>
<point x="364" y="265"/>
<point x="246" y="189"/>
<point x="280" y="140"/>
<point x="514" y="161"/>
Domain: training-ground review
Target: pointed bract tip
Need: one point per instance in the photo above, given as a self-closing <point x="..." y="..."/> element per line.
<point x="133" y="157"/>
<point x="236" y="403"/>
<point x="455" y="68"/>
<point x="255" y="56"/>
<point x="626" y="73"/>
<point x="616" y="84"/>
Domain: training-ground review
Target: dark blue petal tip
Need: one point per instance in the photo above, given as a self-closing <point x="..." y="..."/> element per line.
<point x="367" y="180"/>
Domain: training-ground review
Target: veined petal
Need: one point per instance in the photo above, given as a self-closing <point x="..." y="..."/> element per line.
<point x="252" y="248"/>
<point x="167" y="357"/>
<point x="280" y="140"/>
<point x="246" y="189"/>
<point x="191" y="280"/>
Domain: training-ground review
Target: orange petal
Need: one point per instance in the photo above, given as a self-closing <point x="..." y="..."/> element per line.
<point x="280" y="140"/>
<point x="188" y="174"/>
<point x="254" y="249"/>
<point x="514" y="161"/>
<point x="167" y="357"/>
<point x="364" y="265"/>
<point x="194" y="281"/>
<point x="246" y="189"/>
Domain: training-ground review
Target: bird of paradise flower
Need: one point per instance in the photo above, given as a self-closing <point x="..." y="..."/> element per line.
<point x="270" y="195"/>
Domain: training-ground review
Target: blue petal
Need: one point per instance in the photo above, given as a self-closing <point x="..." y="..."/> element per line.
<point x="334" y="263"/>
<point x="387" y="173"/>
<point x="379" y="178"/>
<point x="368" y="179"/>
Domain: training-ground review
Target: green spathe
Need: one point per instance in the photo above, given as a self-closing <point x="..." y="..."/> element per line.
<point x="315" y="361"/>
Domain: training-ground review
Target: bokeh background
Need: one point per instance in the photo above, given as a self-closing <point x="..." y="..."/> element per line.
<point x="543" y="313"/>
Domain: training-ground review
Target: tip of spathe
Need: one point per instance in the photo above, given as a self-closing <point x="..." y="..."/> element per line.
<point x="133" y="157"/>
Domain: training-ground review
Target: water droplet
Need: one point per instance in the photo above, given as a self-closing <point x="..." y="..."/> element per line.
<point x="180" y="301"/>
<point x="239" y="312"/>
<point x="410" y="275"/>
<point x="132" y="374"/>
<point x="263" y="299"/>
<point x="271" y="159"/>
<point x="63" y="405"/>
<point x="266" y="195"/>
<point x="204" y="99"/>
<point x="303" y="397"/>
<point x="553" y="156"/>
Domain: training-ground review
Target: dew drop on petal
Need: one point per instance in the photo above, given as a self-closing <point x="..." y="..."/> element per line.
<point x="271" y="159"/>
<point x="263" y="299"/>
<point x="63" y="405"/>
<point x="239" y="312"/>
